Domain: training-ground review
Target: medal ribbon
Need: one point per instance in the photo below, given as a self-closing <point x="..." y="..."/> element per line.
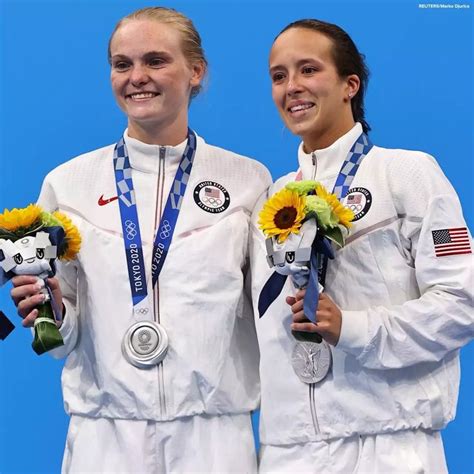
<point x="321" y="249"/>
<point x="131" y="226"/>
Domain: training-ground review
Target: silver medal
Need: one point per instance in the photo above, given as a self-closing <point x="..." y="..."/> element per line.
<point x="311" y="361"/>
<point x="145" y="344"/>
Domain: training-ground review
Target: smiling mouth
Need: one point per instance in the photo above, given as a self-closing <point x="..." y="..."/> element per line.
<point x="142" y="95"/>
<point x="30" y="260"/>
<point x="300" y="107"/>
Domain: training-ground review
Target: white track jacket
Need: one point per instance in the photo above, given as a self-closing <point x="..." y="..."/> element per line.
<point x="212" y="361"/>
<point x="406" y="306"/>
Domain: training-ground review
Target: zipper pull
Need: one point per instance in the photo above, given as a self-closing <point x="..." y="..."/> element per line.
<point x="162" y="152"/>
<point x="315" y="165"/>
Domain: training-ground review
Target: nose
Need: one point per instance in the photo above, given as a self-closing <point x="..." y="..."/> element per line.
<point x="293" y="86"/>
<point x="139" y="75"/>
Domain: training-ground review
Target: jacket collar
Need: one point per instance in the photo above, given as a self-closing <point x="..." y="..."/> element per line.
<point x="145" y="157"/>
<point x="329" y="160"/>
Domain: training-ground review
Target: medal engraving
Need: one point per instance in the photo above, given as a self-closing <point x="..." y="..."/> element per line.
<point x="145" y="344"/>
<point x="144" y="340"/>
<point x="311" y="361"/>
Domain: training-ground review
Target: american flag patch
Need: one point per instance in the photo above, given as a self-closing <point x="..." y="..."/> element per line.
<point x="211" y="192"/>
<point x="354" y="199"/>
<point x="451" y="241"/>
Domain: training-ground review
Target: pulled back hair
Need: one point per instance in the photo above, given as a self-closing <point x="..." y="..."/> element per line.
<point x="190" y="38"/>
<point x="346" y="57"/>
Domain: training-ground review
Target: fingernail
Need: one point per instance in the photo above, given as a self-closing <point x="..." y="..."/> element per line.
<point x="39" y="284"/>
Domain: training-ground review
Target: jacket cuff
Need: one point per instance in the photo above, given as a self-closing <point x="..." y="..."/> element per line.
<point x="354" y="332"/>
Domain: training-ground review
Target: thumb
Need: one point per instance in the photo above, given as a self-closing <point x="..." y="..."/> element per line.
<point x="290" y="300"/>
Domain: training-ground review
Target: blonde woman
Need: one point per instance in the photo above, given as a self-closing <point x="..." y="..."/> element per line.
<point x="161" y="369"/>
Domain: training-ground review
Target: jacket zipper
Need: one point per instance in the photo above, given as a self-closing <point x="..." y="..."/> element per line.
<point x="156" y="289"/>
<point x="315" y="165"/>
<point x="312" y="403"/>
<point x="312" y="406"/>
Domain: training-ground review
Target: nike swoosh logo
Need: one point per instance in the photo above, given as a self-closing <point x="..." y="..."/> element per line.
<point x="103" y="202"/>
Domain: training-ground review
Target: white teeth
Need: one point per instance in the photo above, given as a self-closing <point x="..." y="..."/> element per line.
<point x="143" y="95"/>
<point x="297" y="108"/>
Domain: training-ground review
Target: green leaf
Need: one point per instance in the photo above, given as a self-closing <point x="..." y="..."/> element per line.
<point x="335" y="234"/>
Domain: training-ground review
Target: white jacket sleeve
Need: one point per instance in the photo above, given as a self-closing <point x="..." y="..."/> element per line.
<point x="441" y="320"/>
<point x="66" y="273"/>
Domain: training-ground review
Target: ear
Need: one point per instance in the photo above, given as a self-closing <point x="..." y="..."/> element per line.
<point x="198" y="70"/>
<point x="352" y="86"/>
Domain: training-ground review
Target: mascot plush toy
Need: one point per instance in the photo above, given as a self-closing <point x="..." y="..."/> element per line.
<point x="30" y="242"/>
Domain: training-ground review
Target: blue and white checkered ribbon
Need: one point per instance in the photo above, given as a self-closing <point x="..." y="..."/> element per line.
<point x="131" y="226"/>
<point x="350" y="166"/>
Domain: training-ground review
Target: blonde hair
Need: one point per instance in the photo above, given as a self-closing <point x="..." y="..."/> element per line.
<point x="191" y="40"/>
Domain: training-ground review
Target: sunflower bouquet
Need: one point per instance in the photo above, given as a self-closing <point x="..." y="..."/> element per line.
<point x="300" y="221"/>
<point x="30" y="241"/>
<point x="287" y="210"/>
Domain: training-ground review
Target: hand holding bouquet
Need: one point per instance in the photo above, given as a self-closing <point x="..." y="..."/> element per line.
<point x="30" y="241"/>
<point x="300" y="222"/>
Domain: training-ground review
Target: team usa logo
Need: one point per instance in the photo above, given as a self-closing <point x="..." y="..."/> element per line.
<point x="359" y="201"/>
<point x="211" y="197"/>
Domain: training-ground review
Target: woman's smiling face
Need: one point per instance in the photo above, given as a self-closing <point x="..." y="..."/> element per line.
<point x="311" y="97"/>
<point x="151" y="78"/>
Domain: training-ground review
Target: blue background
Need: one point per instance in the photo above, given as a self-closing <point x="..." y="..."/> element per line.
<point x="56" y="103"/>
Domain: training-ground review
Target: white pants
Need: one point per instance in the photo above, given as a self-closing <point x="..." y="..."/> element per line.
<point x="210" y="444"/>
<point x="403" y="452"/>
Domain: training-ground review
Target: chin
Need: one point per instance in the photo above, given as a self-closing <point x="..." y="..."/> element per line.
<point x="298" y="129"/>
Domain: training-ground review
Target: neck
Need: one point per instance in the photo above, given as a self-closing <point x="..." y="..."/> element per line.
<point x="156" y="135"/>
<point x="325" y="139"/>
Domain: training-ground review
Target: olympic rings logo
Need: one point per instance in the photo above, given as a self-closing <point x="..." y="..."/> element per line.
<point x="165" y="230"/>
<point x="212" y="201"/>
<point x="130" y="229"/>
<point x="355" y="208"/>
<point x="141" y="311"/>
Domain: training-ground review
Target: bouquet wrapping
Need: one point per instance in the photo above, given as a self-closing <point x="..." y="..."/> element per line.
<point x="30" y="241"/>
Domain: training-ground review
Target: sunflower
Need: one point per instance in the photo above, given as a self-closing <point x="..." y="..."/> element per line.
<point x="73" y="238"/>
<point x="282" y="214"/>
<point x="343" y="213"/>
<point x="17" y="219"/>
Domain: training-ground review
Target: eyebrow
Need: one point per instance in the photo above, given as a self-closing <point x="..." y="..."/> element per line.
<point x="299" y="63"/>
<point x="147" y="55"/>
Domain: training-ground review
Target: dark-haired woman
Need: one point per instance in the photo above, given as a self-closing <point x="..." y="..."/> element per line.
<point x="397" y="306"/>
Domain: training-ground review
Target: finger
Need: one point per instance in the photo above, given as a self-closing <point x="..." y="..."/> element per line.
<point x="300" y="317"/>
<point x="290" y="300"/>
<point x="20" y="292"/>
<point x="322" y="314"/>
<point x="53" y="283"/>
<point x="300" y="294"/>
<point x="298" y="306"/>
<point x="29" y="321"/>
<point x="20" y="280"/>
<point x="305" y="327"/>
<point x="26" y="306"/>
